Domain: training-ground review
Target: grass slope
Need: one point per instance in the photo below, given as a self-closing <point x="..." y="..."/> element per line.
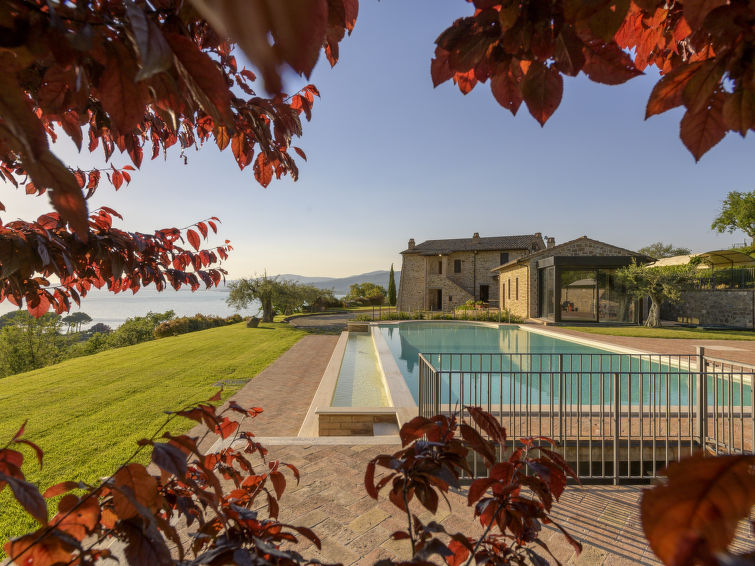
<point x="87" y="413"/>
<point x="670" y="332"/>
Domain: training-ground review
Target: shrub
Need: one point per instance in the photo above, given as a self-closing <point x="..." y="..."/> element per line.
<point x="194" y="323"/>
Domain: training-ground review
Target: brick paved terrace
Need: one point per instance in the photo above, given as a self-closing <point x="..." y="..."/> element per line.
<point x="356" y="529"/>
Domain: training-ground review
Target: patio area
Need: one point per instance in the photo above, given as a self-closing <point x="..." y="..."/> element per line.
<point x="355" y="529"/>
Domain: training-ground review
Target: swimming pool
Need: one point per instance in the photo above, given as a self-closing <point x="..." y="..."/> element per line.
<point x="506" y="364"/>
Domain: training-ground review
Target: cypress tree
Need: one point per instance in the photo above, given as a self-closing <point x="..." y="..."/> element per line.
<point x="392" y="288"/>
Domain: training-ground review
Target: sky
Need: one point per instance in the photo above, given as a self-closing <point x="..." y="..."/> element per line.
<point x="391" y="158"/>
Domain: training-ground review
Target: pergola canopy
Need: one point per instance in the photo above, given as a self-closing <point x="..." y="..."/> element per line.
<point x="727" y="258"/>
<point x="717" y="259"/>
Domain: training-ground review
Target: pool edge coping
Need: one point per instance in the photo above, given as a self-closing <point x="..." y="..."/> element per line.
<point x="324" y="393"/>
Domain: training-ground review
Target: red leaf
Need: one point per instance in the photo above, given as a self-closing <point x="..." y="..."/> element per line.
<point x="226" y="428"/>
<point x="122" y="97"/>
<point x="193" y="238"/>
<point x="414" y="429"/>
<point x="478" y="488"/>
<point x="154" y="51"/>
<point x="169" y="458"/>
<point x="202" y="227"/>
<point x="542" y="88"/>
<point x="222" y="139"/>
<point x="739" y="110"/>
<point x="607" y="63"/>
<point x="263" y="170"/>
<point x="460" y="553"/>
<point x="667" y="93"/>
<point x="702" y="130"/>
<point x="301" y="153"/>
<point x="20" y="431"/>
<point x="28" y="496"/>
<point x="696" y="10"/>
<point x="488" y="423"/>
<point x="241" y="149"/>
<point x="49" y="550"/>
<point x="39" y="306"/>
<point x="279" y="483"/>
<point x="478" y="444"/>
<point x="37" y="450"/>
<point x="117" y="179"/>
<point x="203" y="78"/>
<point x="61" y="488"/>
<point x="695" y="514"/>
<point x="505" y="89"/>
<point x="701" y="85"/>
<point x="215" y="397"/>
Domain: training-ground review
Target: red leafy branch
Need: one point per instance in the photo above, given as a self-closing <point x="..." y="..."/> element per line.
<point x="32" y="253"/>
<point x="126" y="76"/>
<point x="140" y="509"/>
<point x="515" y="498"/>
<point x="702" y="47"/>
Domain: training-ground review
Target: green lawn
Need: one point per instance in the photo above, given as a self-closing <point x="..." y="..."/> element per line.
<point x="670" y="332"/>
<point x="87" y="413"/>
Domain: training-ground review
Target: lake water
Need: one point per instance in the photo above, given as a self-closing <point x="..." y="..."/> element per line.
<point x="113" y="310"/>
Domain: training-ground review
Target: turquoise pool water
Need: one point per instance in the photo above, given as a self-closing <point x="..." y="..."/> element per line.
<point x="520" y="378"/>
<point x="359" y="380"/>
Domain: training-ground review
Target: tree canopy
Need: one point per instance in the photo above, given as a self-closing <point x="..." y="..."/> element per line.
<point x="367" y="293"/>
<point x="737" y="213"/>
<point x="276" y="295"/>
<point x="658" y="250"/>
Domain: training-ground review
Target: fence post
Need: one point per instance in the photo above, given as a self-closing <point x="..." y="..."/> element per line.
<point x="616" y="426"/>
<point x="561" y="402"/>
<point x="702" y="398"/>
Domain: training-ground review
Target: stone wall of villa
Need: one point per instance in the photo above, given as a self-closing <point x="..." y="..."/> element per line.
<point x="719" y="307"/>
<point x="516" y="303"/>
<point x="411" y="291"/>
<point x="422" y="273"/>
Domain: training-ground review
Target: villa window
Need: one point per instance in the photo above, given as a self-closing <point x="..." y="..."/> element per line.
<point x="457" y="266"/>
<point x="509" y="288"/>
<point x="504" y="257"/>
<point x="517" y="288"/>
<point x="440" y="266"/>
<point x="450" y="298"/>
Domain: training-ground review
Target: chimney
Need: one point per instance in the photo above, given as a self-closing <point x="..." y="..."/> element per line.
<point x="550" y="242"/>
<point x="538" y="235"/>
<point x="411" y="243"/>
<point x="476" y="236"/>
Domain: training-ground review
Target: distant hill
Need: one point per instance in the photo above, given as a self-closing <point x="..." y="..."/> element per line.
<point x="340" y="285"/>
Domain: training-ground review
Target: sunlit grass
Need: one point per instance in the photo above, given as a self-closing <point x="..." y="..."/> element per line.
<point x="88" y="413"/>
<point x="669" y="332"/>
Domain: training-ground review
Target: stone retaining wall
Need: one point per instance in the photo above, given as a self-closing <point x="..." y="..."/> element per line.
<point x="352" y="424"/>
<point x="720" y="307"/>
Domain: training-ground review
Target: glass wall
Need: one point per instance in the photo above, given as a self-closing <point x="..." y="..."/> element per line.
<point x="578" y="301"/>
<point x="614" y="304"/>
<point x="547" y="287"/>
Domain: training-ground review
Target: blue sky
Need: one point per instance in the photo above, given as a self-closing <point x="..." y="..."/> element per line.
<point x="392" y="158"/>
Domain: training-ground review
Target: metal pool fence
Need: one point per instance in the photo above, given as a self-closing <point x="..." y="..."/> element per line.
<point x="619" y="417"/>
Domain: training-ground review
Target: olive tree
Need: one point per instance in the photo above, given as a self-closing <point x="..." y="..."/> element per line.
<point x="662" y="283"/>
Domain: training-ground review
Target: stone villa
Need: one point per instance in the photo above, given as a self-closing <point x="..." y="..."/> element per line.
<point x="444" y="274"/>
<point x="574" y="281"/>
